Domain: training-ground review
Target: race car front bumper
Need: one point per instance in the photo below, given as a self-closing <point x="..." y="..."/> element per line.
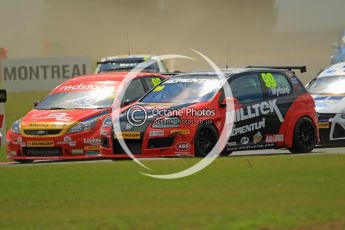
<point x="74" y="146"/>
<point x="332" y="129"/>
<point x="169" y="143"/>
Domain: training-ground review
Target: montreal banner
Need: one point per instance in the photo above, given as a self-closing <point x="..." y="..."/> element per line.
<point x="41" y="74"/>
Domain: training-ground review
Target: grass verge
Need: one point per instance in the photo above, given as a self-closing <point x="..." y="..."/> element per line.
<point x="258" y="192"/>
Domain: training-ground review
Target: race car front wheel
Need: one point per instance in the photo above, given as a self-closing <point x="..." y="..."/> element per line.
<point x="206" y="138"/>
<point x="305" y="137"/>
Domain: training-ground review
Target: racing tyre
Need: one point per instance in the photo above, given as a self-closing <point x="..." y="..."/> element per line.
<point x="206" y="138"/>
<point x="24" y="161"/>
<point x="225" y="153"/>
<point x="304" y="139"/>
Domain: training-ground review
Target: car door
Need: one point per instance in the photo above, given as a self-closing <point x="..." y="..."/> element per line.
<point x="279" y="92"/>
<point x="249" y="123"/>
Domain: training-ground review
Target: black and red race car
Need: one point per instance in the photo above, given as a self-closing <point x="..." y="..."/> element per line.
<point x="184" y="115"/>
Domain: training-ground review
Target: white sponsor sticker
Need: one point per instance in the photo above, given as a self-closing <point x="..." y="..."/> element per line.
<point x="280" y="91"/>
<point x="248" y="128"/>
<point x="60" y="117"/>
<point x="244" y="140"/>
<point x="92" y="141"/>
<point x="257" y="110"/>
<point x="68" y="140"/>
<point x="183" y="146"/>
<point x="85" y="87"/>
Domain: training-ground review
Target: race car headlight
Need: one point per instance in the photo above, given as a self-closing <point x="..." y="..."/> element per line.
<point x="342" y="115"/>
<point x="16" y="126"/>
<point x="107" y="123"/>
<point x="169" y="122"/>
<point x="83" y="126"/>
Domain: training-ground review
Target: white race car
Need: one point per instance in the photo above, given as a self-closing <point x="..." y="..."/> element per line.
<point x="126" y="63"/>
<point x="328" y="91"/>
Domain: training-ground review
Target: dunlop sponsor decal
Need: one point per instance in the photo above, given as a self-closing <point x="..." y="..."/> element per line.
<point x="323" y="125"/>
<point x="40" y="143"/>
<point x="127" y="135"/>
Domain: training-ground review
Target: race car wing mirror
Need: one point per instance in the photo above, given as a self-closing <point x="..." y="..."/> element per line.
<point x="3" y="95"/>
<point x="36" y="103"/>
<point x="231" y="100"/>
<point x="128" y="102"/>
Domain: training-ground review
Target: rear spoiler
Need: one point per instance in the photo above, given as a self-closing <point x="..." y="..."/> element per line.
<point x="114" y="61"/>
<point x="145" y="71"/>
<point x="176" y="72"/>
<point x="302" y="69"/>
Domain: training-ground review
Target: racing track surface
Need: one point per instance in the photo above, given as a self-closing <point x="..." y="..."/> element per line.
<point x="318" y="150"/>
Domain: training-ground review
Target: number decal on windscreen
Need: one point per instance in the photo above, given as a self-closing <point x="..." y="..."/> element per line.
<point x="155" y="81"/>
<point x="269" y="80"/>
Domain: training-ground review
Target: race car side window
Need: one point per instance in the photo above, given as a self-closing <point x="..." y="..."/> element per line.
<point x="134" y="91"/>
<point x="275" y="84"/>
<point x="247" y="88"/>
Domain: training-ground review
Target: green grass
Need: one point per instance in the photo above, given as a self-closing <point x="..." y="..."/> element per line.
<point x="17" y="105"/>
<point x="258" y="192"/>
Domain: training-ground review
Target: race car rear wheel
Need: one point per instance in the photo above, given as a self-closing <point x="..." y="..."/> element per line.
<point x="305" y="137"/>
<point x="206" y="138"/>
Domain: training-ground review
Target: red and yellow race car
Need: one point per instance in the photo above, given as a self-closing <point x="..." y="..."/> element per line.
<point x="66" y="124"/>
<point x="184" y="115"/>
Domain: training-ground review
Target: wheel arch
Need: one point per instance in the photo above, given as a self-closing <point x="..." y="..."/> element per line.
<point x="290" y="128"/>
<point x="303" y="106"/>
